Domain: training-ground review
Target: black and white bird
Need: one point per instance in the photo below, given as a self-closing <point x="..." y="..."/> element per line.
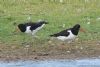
<point x="68" y="34"/>
<point x="30" y="27"/>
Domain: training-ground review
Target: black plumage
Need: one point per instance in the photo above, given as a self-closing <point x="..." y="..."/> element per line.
<point x="30" y="27"/>
<point x="74" y="30"/>
<point x="70" y="33"/>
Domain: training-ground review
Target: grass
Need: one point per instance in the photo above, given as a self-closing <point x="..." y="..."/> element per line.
<point x="20" y="45"/>
<point x="69" y="13"/>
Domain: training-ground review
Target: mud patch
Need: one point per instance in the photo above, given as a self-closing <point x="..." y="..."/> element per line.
<point x="49" y="50"/>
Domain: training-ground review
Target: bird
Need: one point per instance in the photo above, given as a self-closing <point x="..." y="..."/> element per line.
<point x="31" y="27"/>
<point x="68" y="34"/>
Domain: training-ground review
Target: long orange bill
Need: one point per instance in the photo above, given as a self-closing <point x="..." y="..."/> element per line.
<point x="82" y="30"/>
<point x="17" y="29"/>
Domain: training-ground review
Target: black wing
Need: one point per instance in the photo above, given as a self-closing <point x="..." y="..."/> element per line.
<point x="62" y="33"/>
<point x="33" y="25"/>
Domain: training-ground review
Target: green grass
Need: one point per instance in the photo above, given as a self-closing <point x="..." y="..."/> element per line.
<point x="57" y="14"/>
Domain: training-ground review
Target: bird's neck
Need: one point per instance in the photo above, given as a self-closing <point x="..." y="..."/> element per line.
<point x="75" y="31"/>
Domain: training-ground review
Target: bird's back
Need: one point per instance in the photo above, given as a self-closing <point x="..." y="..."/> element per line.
<point x="32" y="25"/>
<point x="62" y="33"/>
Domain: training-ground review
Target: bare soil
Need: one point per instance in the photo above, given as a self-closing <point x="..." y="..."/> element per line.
<point x="50" y="50"/>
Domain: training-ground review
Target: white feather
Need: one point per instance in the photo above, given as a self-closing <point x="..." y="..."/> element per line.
<point x="34" y="31"/>
<point x="28" y="29"/>
<point x="71" y="36"/>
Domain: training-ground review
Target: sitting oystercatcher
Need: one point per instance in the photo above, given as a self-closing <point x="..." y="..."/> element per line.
<point x="68" y="34"/>
<point x="31" y="27"/>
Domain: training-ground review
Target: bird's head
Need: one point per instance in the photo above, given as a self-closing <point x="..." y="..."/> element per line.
<point x="22" y="27"/>
<point x="78" y="27"/>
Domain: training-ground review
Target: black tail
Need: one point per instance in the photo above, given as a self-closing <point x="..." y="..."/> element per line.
<point x="43" y="21"/>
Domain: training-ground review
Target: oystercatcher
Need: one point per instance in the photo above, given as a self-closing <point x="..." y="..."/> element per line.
<point x="30" y="27"/>
<point x="68" y="34"/>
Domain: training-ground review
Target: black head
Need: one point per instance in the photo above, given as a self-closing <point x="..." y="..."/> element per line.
<point x="77" y="26"/>
<point x="22" y="27"/>
<point x="75" y="29"/>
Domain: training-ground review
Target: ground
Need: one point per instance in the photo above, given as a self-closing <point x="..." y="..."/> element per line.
<point x="50" y="50"/>
<point x="16" y="45"/>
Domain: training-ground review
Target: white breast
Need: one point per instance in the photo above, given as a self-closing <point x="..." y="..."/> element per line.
<point x="71" y="36"/>
<point x="28" y="29"/>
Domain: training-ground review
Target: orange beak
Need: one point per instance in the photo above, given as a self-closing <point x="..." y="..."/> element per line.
<point x="17" y="29"/>
<point x="82" y="30"/>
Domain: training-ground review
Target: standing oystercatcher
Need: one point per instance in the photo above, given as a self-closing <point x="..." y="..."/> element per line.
<point x="68" y="34"/>
<point x="31" y="27"/>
